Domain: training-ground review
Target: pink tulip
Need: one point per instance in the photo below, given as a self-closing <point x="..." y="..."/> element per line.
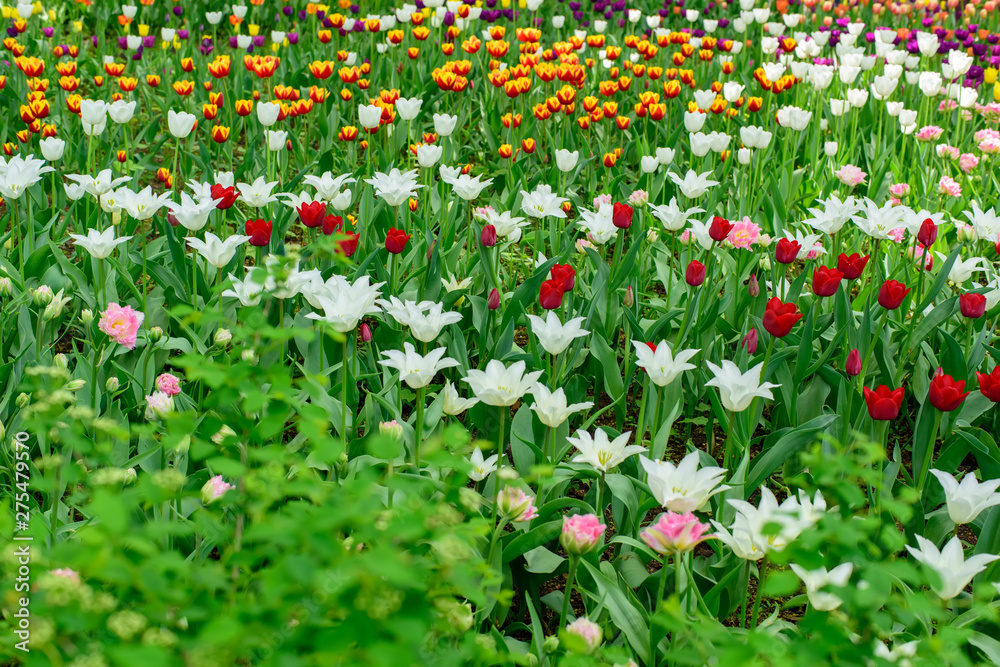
<point x="675" y="533"/>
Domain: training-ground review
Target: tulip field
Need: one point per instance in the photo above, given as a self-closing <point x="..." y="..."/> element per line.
<point x="486" y="332"/>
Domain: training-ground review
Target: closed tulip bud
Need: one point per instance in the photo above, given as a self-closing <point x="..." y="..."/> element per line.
<point x="130" y="476"/>
<point x="752" y="286"/>
<point x="550" y="295"/>
<point x="75" y="385"/>
<point x="222" y="337"/>
<point x="928" y="232"/>
<point x="853" y="365"/>
<point x="581" y="533"/>
<point x="551" y="644"/>
<point x="972" y="305"/>
<point x="42" y="295"/>
<point x="87" y="316"/>
<point x="249" y="355"/>
<point x="155" y="334"/>
<point x="59" y="361"/>
<point x="488" y="237"/>
<point x="830" y="148"/>
<point x="749" y="341"/>
<point x="392" y="429"/>
<point x="493" y="302"/>
<point x="366" y="332"/>
<point x="695" y="273"/>
<point x="112" y="384"/>
<point x="7" y="288"/>
<point x="629" y="300"/>
<point x="22" y="400"/>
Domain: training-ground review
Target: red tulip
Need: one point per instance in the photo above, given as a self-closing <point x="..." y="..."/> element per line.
<point x="226" y="196"/>
<point x="395" y="240"/>
<point x="853" y="265"/>
<point x="719" y="229"/>
<point x="753" y="287"/>
<point x="332" y="223"/>
<point x="779" y="318"/>
<point x="945" y="394"/>
<point x="259" y="232"/>
<point x="622" y="216"/>
<point x="550" y="295"/>
<point x="853" y="365"/>
<point x="312" y="214"/>
<point x="366" y="332"/>
<point x="695" y="273"/>
<point x="826" y="281"/>
<point x="989" y="384"/>
<point x="565" y="273"/>
<point x="787" y="251"/>
<point x="884" y="403"/>
<point x="493" y="302"/>
<point x="892" y="294"/>
<point x="972" y="305"/>
<point x="749" y="341"/>
<point x="927" y="234"/>
<point x="488" y="236"/>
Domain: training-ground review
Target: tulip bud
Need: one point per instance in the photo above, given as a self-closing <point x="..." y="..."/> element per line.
<point x="42" y="295"/>
<point x="249" y="355"/>
<point x="695" y="273"/>
<point x="6" y="288"/>
<point x="629" y="299"/>
<point x="130" y="476"/>
<point x="749" y="341"/>
<point x="53" y="310"/>
<point x="752" y="286"/>
<point x="493" y="302"/>
<point x="366" y="332"/>
<point x="223" y="337"/>
<point x="551" y="644"/>
<point x="112" y="384"/>
<point x="87" y="316"/>
<point x="581" y="533"/>
<point x="22" y="400"/>
<point x="59" y="361"/>
<point x="155" y="334"/>
<point x="830" y="148"/>
<point x="8" y="244"/>
<point x="392" y="429"/>
<point x="488" y="237"/>
<point x="116" y="217"/>
<point x="224" y="432"/>
<point x="853" y="365"/>
<point x="75" y="385"/>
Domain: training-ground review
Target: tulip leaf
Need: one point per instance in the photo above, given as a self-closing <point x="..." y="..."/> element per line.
<point x="625" y="611"/>
<point x="793" y="440"/>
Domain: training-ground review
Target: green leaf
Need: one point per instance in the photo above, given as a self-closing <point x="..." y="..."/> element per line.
<point x="786" y="446"/>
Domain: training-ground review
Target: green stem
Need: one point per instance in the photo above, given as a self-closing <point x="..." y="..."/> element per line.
<point x="419" y="429"/>
<point x="574" y="561"/>
<point x="761" y="575"/>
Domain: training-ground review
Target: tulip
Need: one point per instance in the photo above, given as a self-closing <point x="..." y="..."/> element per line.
<point x="225" y="196"/>
<point x="945" y="393"/>
<point x="565" y="273"/>
<point x="884" y="403"/>
<point x="852" y="265"/>
<point x="892" y="293"/>
<point x="927" y="234"/>
<point x="786" y="250"/>
<point x="826" y="281"/>
<point x="550" y="295"/>
<point x="675" y="533"/>
<point x="180" y="124"/>
<point x="719" y="229"/>
<point x="989" y="384"/>
<point x="566" y="160"/>
<point x="259" y="232"/>
<point x="312" y="214"/>
<point x="395" y="240"/>
<point x="779" y="318"/>
<point x="694" y="275"/>
<point x="268" y="112"/>
<point x="581" y="533"/>
<point x="853" y="364"/>
<point x="493" y="302"/>
<point x="621" y="216"/>
<point x="967" y="500"/>
<point x="488" y="237"/>
<point x="953" y="571"/>
<point x="749" y="341"/>
<point x="972" y="305"/>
